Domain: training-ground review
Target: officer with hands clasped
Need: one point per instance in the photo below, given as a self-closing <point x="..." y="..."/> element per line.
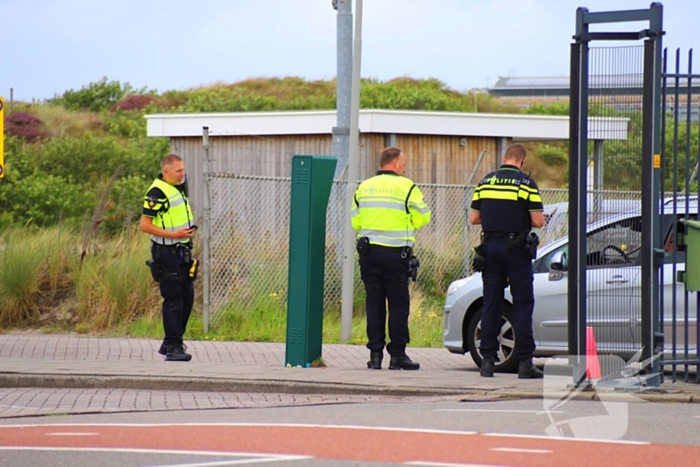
<point x="507" y="204"/>
<point x="387" y="209"/>
<point x="168" y="218"/>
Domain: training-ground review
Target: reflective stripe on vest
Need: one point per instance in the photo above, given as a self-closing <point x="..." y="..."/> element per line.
<point x="178" y="215"/>
<point x="381" y="204"/>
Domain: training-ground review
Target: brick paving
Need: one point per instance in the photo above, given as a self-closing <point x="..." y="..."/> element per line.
<point x="72" y="374"/>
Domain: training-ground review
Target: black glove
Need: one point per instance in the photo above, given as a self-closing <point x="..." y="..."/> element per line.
<point x="479" y="258"/>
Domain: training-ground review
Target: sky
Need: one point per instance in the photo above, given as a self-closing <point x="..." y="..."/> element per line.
<point x="50" y="46"/>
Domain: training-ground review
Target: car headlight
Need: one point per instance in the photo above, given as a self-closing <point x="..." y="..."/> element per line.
<point x="456" y="285"/>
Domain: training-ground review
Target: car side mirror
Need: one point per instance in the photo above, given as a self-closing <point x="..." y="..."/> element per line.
<point x="558" y="266"/>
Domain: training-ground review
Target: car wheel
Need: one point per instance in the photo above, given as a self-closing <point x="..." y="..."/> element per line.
<point x="505" y="360"/>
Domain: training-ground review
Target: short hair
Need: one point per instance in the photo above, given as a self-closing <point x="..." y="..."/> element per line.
<point x="516" y="152"/>
<point x="169" y="160"/>
<point x="388" y="155"/>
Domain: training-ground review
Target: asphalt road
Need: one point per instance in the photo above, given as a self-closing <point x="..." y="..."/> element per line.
<point x="393" y="431"/>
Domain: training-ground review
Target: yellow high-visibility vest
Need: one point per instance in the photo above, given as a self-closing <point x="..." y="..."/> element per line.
<point x="177" y="215"/>
<point x="388" y="209"/>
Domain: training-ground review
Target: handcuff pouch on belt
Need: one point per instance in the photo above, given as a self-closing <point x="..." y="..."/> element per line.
<point x="413" y="265"/>
<point x="532" y="241"/>
<point x="190" y="266"/>
<point x="362" y="245"/>
<point x="155" y="269"/>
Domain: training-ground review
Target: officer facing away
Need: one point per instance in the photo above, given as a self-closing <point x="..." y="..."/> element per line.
<point x="507" y="204"/>
<point x="168" y="218"/>
<point x="387" y="209"/>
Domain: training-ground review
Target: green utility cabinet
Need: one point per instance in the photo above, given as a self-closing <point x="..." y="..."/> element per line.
<point x="691" y="275"/>
<point x="312" y="178"/>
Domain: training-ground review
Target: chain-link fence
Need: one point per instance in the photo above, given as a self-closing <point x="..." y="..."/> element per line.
<point x="249" y="243"/>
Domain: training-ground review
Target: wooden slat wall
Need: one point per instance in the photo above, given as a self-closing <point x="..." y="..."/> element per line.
<point x="430" y="159"/>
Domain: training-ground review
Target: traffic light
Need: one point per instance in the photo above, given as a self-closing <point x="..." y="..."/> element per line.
<point x="2" y="137"/>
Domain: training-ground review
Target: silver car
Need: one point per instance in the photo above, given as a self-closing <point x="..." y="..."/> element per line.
<point x="613" y="275"/>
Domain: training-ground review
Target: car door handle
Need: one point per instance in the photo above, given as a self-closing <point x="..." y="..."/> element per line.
<point x="617" y="280"/>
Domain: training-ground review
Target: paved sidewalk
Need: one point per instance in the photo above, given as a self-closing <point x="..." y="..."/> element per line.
<point x="65" y="361"/>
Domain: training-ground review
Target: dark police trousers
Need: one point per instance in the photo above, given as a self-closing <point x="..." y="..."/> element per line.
<point x="516" y="266"/>
<point x="384" y="273"/>
<point x="178" y="296"/>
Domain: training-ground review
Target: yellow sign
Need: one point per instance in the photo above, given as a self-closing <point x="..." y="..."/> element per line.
<point x="2" y="137"/>
<point x="657" y="161"/>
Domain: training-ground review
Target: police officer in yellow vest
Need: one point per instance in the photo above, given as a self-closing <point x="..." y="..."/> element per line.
<point x="387" y="210"/>
<point x="168" y="218"/>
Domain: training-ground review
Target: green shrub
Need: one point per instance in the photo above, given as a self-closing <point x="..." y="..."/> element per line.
<point x="552" y="155"/>
<point x="98" y="96"/>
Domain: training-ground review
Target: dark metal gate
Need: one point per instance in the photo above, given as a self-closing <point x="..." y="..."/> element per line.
<point x="614" y="263"/>
<point x="680" y="147"/>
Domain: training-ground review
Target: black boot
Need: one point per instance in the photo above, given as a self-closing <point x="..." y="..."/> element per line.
<point x="402" y="362"/>
<point x="375" y="360"/>
<point x="487" y="367"/>
<point x="526" y="370"/>
<point x="163" y="349"/>
<point x="176" y="353"/>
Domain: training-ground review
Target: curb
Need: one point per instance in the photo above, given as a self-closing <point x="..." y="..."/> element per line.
<point x="214" y="385"/>
<point x="15" y="380"/>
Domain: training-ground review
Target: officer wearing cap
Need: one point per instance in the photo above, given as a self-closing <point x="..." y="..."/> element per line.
<point x="168" y="218"/>
<point x="507" y="204"/>
<point x="387" y="209"/>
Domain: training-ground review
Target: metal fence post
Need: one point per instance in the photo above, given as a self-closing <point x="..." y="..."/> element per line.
<point x="206" y="218"/>
<point x="468" y="193"/>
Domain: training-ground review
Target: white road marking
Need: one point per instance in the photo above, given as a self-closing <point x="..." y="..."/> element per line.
<point x="71" y="433"/>
<point x="273" y="425"/>
<point x="236" y="462"/>
<point x="561" y="438"/>
<point x="260" y="457"/>
<point x="301" y="425"/>
<point x="531" y="451"/>
<point x="538" y="412"/>
<point x="442" y="464"/>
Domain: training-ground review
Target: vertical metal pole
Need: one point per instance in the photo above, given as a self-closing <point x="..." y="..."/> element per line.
<point x="341" y="132"/>
<point x="349" y="237"/>
<point x="501" y="147"/>
<point x="581" y="209"/>
<point x="206" y="217"/>
<point x="578" y="162"/>
<point x="649" y="209"/>
<point x="662" y="175"/>
<point x="651" y="183"/>
<point x="574" y="104"/>
<point x="468" y="193"/>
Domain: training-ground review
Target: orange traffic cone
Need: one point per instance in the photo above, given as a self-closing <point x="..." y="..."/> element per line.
<point x="592" y="362"/>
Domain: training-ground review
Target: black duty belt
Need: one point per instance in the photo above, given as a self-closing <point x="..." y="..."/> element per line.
<point x="173" y="246"/>
<point x="391" y="248"/>
<point x="499" y="235"/>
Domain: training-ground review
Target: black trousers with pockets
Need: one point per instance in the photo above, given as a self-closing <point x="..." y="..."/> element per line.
<point x="507" y="268"/>
<point x="384" y="273"/>
<point x="178" y="295"/>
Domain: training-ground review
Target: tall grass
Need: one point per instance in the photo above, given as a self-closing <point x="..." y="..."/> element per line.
<point x="112" y="293"/>
<point x="114" y="286"/>
<point x="34" y="271"/>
